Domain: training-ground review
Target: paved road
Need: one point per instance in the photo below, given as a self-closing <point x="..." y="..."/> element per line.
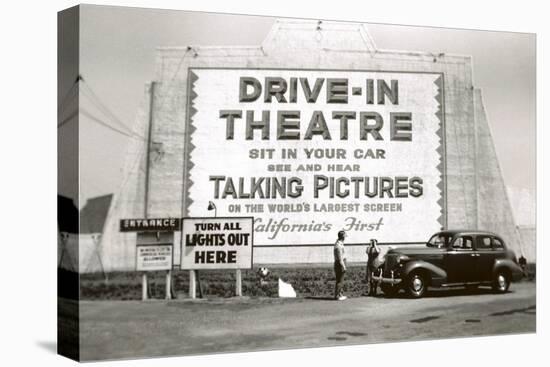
<point x="126" y="329"/>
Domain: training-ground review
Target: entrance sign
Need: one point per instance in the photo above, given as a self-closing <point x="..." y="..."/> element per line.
<point x="311" y="152"/>
<point x="217" y="243"/>
<point x="151" y="224"/>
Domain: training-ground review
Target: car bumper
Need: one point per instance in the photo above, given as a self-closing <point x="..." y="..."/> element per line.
<point x="386" y="280"/>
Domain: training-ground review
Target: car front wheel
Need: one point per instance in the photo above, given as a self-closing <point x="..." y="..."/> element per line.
<point x="501" y="282"/>
<point x="417" y="285"/>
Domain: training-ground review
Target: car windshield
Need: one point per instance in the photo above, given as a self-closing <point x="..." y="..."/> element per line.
<point x="439" y="240"/>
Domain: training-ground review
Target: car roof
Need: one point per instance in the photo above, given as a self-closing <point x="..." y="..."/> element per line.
<point x="454" y="232"/>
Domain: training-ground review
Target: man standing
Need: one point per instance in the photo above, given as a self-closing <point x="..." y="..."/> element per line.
<point x="372" y="254"/>
<point x="339" y="266"/>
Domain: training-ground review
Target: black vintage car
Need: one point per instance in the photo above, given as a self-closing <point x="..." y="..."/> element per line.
<point x="450" y="258"/>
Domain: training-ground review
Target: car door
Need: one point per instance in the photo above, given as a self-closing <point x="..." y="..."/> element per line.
<point x="498" y="248"/>
<point x="460" y="260"/>
<point x="485" y="258"/>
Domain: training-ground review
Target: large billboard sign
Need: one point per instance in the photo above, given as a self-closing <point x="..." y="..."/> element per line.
<point x="310" y="152"/>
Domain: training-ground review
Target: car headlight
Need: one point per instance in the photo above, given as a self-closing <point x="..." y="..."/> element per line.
<point x="402" y="259"/>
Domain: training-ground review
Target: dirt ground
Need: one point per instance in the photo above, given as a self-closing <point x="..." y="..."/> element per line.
<point x="130" y="329"/>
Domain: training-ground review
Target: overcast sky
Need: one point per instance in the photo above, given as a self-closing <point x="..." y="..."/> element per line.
<point x="118" y="57"/>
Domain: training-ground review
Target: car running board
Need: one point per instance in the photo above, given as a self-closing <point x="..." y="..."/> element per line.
<point x="464" y="284"/>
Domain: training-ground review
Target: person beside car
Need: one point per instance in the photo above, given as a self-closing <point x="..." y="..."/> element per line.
<point x="372" y="254"/>
<point x="339" y="266"/>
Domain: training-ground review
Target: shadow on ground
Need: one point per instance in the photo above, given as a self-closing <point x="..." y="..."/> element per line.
<point x="320" y="298"/>
<point x="48" y="345"/>
<point x="450" y="292"/>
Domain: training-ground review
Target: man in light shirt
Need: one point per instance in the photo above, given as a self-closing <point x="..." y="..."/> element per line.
<point x="339" y="266"/>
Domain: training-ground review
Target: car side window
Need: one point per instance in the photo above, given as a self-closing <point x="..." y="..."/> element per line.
<point x="497" y="244"/>
<point x="483" y="243"/>
<point x="463" y="243"/>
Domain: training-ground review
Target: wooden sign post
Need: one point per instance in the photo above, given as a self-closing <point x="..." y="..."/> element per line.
<point x="192" y="285"/>
<point x="144" y="293"/>
<point x="238" y="283"/>
<point x="168" y="291"/>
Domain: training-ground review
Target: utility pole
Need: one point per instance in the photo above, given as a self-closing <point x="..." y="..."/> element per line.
<point x="148" y="155"/>
<point x="145" y="293"/>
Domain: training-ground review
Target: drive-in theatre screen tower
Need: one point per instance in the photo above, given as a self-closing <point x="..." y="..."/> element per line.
<point x="313" y="131"/>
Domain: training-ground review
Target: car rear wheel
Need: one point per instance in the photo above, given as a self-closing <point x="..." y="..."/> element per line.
<point x="501" y="281"/>
<point x="417" y="285"/>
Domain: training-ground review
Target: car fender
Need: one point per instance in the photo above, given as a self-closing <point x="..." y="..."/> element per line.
<point x="510" y="265"/>
<point x="435" y="271"/>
